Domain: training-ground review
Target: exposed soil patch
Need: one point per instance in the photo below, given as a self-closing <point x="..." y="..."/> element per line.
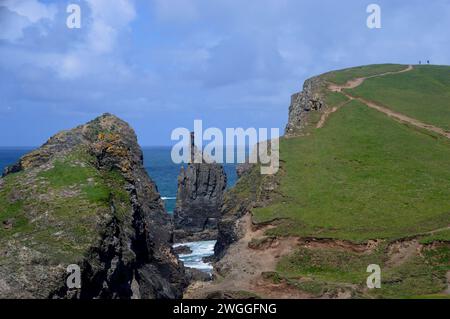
<point x="247" y="266"/>
<point x="269" y="289"/>
<point x="401" y="251"/>
<point x="247" y="261"/>
<point x="358" y="81"/>
<point x="325" y="115"/>
<point x="315" y="243"/>
<point x="349" y="85"/>
<point x="328" y="112"/>
<point x="242" y="267"/>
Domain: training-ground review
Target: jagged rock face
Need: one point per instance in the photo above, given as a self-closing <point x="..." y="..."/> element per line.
<point x="85" y="198"/>
<point x="251" y="190"/>
<point x="229" y="230"/>
<point x="199" y="200"/>
<point x="302" y="103"/>
<point x="201" y="187"/>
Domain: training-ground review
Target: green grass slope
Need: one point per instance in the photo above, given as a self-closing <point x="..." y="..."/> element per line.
<point x="343" y="76"/>
<point x="423" y="93"/>
<point x="59" y="218"/>
<point x="364" y="176"/>
<point x="320" y="271"/>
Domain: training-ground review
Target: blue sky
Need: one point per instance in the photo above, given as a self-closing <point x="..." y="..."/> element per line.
<point x="161" y="64"/>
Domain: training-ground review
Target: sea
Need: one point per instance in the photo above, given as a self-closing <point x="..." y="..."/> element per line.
<point x="162" y="170"/>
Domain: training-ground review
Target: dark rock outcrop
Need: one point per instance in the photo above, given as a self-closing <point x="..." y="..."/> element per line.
<point x="199" y="200"/>
<point x="182" y="250"/>
<point x="309" y="99"/>
<point x="85" y="198"/>
<point x="229" y="230"/>
<point x="251" y="190"/>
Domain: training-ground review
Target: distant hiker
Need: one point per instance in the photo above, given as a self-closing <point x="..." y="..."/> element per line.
<point x="420" y="62"/>
<point x="428" y="61"/>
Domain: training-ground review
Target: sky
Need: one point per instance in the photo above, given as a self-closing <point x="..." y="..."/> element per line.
<point x="161" y="64"/>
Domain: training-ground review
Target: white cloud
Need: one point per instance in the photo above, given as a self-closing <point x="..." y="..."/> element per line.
<point x="33" y="10"/>
<point x="89" y="50"/>
<point x="108" y="18"/>
<point x="17" y="15"/>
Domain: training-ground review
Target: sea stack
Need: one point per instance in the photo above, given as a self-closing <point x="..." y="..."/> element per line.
<point x="201" y="188"/>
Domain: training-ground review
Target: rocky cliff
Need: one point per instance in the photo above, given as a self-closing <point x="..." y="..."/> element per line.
<point x="199" y="200"/>
<point x="254" y="190"/>
<point x="84" y="198"/>
<point x="302" y="103"/>
<point x="251" y="190"/>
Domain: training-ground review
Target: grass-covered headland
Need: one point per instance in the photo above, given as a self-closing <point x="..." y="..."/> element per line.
<point x="368" y="180"/>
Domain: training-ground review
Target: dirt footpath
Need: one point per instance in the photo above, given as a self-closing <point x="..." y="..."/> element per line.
<point x="241" y="267"/>
<point x="395" y="115"/>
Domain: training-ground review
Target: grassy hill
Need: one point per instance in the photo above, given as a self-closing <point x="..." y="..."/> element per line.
<point x="365" y="176"/>
<point x="78" y="193"/>
<point x="362" y="176"/>
<point x="423" y="93"/>
<point x="342" y="76"/>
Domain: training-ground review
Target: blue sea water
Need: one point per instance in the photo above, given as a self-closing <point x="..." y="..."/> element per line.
<point x="10" y="155"/>
<point x="200" y="249"/>
<point x="159" y="165"/>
